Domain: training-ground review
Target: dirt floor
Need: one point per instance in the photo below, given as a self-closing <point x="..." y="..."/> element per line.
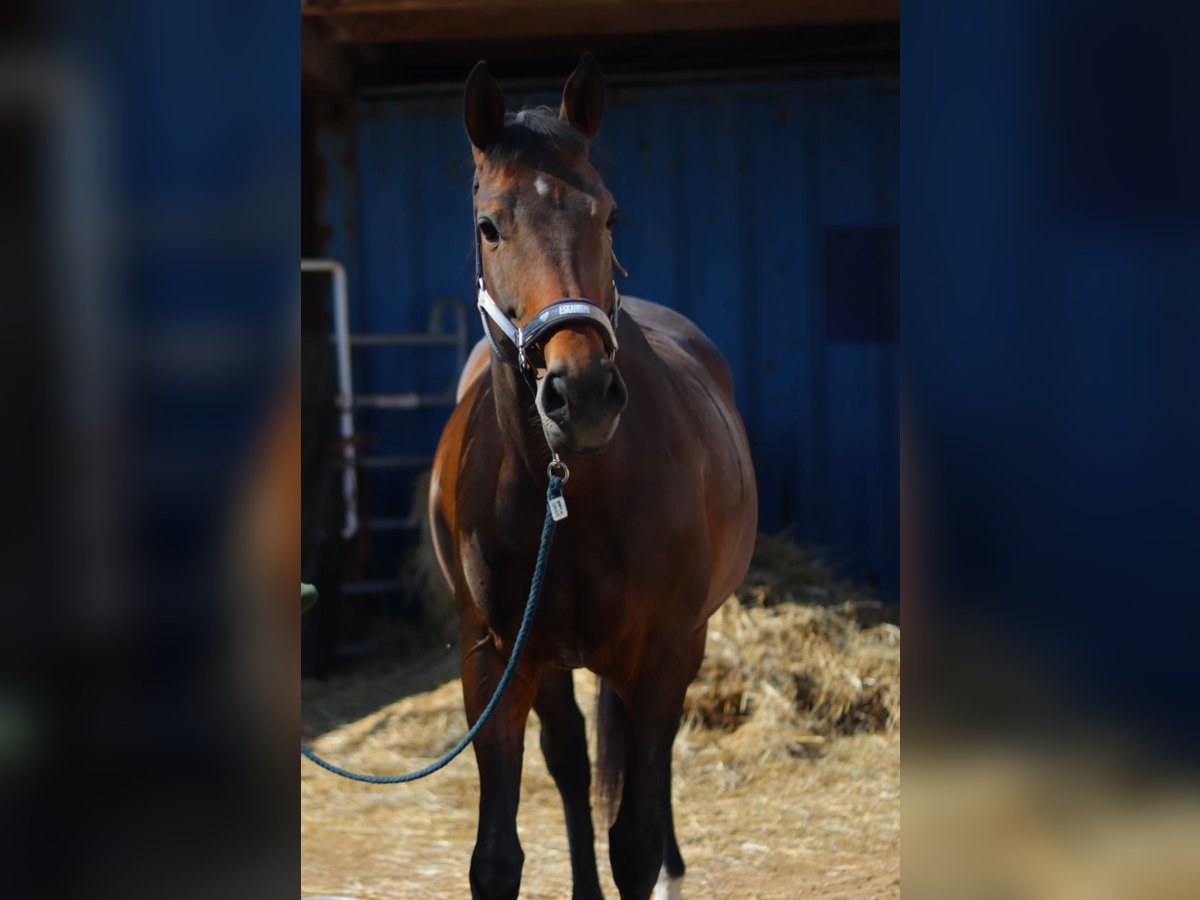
<point x="822" y="822"/>
<point x="786" y="769"/>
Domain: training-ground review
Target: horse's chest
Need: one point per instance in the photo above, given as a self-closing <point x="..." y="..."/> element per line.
<point x="579" y="602"/>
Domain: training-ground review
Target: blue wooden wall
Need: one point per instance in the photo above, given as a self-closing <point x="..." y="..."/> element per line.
<point x="767" y="212"/>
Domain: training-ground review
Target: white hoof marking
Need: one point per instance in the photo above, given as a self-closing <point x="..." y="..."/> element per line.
<point x="668" y="888"/>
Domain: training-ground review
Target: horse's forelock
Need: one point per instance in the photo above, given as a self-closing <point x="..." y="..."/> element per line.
<point x="531" y="133"/>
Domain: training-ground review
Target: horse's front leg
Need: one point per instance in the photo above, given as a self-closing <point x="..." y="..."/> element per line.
<point x="637" y="839"/>
<point x="564" y="745"/>
<point x="499" y="747"/>
<point x="642" y="846"/>
<point x="670" y="877"/>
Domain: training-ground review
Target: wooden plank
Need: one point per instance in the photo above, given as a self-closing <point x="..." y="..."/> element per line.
<point x="388" y="21"/>
<point x="324" y="66"/>
<point x="831" y="10"/>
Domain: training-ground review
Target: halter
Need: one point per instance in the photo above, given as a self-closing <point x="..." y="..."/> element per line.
<point x="531" y="336"/>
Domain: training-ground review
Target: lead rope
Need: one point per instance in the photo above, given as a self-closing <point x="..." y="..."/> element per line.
<point x="556" y="510"/>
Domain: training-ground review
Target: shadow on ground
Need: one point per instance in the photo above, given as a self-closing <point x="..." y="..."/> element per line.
<point x="364" y="687"/>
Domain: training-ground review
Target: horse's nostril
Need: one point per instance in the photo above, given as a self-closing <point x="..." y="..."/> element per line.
<point x="617" y="395"/>
<point x="554" y="398"/>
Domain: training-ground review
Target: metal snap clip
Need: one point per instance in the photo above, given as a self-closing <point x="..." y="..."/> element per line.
<point x="563" y="472"/>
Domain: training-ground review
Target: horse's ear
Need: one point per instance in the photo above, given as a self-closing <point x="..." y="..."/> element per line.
<point x="583" y="97"/>
<point x="483" y="107"/>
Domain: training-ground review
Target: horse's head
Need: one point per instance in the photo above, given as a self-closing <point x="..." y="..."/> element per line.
<point x="545" y="233"/>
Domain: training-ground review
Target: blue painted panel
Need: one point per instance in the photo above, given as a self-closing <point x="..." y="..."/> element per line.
<point x="728" y="196"/>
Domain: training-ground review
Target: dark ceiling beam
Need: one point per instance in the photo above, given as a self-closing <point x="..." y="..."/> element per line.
<point x="390" y="21"/>
<point x="325" y="67"/>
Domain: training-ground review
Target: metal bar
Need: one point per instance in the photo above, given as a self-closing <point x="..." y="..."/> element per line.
<point x="411" y="339"/>
<point x="460" y="335"/>
<point x="405" y="524"/>
<point x="358" y="588"/>
<point x="341" y="326"/>
<point x="394" y="462"/>
<point x="818" y="71"/>
<point x="460" y="328"/>
<point x="411" y="400"/>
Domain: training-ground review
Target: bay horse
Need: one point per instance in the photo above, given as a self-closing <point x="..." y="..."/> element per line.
<point x="662" y="499"/>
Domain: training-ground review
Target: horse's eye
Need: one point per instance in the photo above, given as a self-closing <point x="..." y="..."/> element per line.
<point x="488" y="229"/>
<point x="612" y="219"/>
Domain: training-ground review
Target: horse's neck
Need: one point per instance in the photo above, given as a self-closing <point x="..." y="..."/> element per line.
<point x="517" y="416"/>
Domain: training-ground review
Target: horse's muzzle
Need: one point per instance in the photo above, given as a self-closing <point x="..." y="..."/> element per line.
<point x="580" y="410"/>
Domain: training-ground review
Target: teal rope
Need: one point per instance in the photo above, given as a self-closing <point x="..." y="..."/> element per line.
<point x="535" y="589"/>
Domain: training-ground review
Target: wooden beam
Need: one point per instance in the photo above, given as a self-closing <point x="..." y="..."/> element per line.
<point x="324" y="66"/>
<point x="390" y="21"/>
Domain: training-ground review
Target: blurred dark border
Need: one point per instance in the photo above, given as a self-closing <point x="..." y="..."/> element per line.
<point x="1050" y="323"/>
<point x="1049" y="238"/>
